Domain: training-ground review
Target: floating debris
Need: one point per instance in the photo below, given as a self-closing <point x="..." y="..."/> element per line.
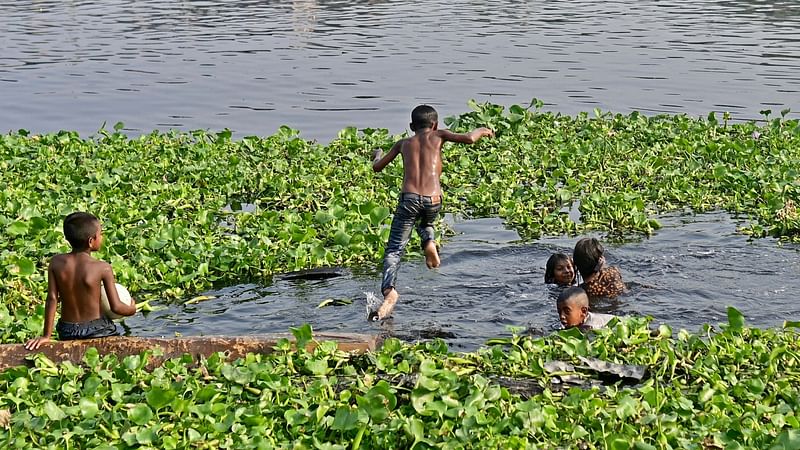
<point x="320" y="273"/>
<point x="335" y="302"/>
<point x="199" y="298"/>
<point x="605" y="371"/>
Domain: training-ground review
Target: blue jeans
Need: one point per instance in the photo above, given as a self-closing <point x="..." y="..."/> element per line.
<point x="412" y="208"/>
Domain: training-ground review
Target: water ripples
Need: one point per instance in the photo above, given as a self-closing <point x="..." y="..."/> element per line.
<point x="320" y="66"/>
<point x="686" y="275"/>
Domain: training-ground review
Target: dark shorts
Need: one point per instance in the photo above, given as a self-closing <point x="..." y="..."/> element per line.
<point x="102" y="327"/>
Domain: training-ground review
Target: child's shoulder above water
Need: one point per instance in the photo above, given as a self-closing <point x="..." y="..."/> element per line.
<point x="573" y="310"/>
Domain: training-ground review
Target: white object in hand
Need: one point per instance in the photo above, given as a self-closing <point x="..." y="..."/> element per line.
<point x="124" y="297"/>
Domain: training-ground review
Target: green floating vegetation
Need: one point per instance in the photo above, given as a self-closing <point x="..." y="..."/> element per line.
<point x="182" y="211"/>
<point x="733" y="387"/>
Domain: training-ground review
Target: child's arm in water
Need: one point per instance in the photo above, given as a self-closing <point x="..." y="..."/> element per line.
<point x="378" y="162"/>
<point x="50" y="306"/>
<point x="465" y="138"/>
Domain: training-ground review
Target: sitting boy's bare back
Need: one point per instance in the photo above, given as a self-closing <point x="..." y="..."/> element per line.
<point x="77" y="278"/>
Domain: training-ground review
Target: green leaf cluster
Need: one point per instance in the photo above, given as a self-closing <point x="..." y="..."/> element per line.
<point x="182" y="211"/>
<point x="733" y="387"/>
<point x="619" y="171"/>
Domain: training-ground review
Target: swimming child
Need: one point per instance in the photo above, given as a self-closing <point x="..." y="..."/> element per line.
<point x="573" y="310"/>
<point x="74" y="278"/>
<point x="598" y="280"/>
<point x="560" y="270"/>
<point x="421" y="197"/>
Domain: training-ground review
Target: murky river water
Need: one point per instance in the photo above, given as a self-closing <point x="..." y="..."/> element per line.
<point x="685" y="275"/>
<point x="322" y="65"/>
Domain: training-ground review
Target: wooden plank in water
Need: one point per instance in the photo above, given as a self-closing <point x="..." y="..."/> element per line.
<point x="12" y="355"/>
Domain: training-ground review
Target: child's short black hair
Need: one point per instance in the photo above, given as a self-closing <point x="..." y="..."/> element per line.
<point x="79" y="227"/>
<point x="550" y="267"/>
<point x="573" y="292"/>
<point x="586" y="256"/>
<point x="423" y="116"/>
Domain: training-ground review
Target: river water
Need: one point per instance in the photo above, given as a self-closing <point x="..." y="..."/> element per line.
<point x="685" y="275"/>
<point x="319" y="65"/>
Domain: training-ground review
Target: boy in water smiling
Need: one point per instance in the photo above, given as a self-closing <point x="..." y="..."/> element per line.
<point x="421" y="197"/>
<point x="75" y="279"/>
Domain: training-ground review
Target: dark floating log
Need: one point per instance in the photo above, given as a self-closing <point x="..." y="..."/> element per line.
<point x="320" y="273"/>
<point x="12" y="355"/>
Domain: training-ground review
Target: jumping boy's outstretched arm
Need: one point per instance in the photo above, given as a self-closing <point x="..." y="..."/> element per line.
<point x="465" y="138"/>
<point x="50" y="306"/>
<point x="378" y="162"/>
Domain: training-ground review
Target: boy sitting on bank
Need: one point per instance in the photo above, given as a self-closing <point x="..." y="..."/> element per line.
<point x="573" y="310"/>
<point x="421" y="197"/>
<point x="75" y="279"/>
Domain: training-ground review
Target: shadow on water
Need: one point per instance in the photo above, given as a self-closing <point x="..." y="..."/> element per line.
<point x="685" y="275"/>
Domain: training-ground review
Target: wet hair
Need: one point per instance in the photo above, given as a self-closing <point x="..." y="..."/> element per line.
<point x="423" y="116"/>
<point x="586" y="256"/>
<point x="550" y="267"/>
<point x="573" y="293"/>
<point x="79" y="227"/>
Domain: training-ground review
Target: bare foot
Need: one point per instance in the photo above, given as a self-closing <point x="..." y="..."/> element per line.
<point x="432" y="255"/>
<point x="389" y="301"/>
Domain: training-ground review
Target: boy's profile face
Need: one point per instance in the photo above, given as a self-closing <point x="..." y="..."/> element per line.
<point x="572" y="313"/>
<point x="96" y="240"/>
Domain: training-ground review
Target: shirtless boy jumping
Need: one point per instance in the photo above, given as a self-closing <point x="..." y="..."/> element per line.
<point x="74" y="278"/>
<point x="421" y="197"/>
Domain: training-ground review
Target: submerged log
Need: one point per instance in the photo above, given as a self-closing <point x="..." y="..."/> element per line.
<point x="320" y="273"/>
<point x="12" y="355"/>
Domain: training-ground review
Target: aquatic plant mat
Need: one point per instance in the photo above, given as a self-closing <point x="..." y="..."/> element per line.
<point x="183" y="211"/>
<point x="733" y="387"/>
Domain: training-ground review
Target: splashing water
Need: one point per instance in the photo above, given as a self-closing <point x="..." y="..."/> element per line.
<point x="373" y="303"/>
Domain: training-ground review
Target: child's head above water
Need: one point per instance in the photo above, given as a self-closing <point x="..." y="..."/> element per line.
<point x="424" y="116"/>
<point x="588" y="256"/>
<point x="559" y="270"/>
<point x="82" y="231"/>
<point x="572" y="306"/>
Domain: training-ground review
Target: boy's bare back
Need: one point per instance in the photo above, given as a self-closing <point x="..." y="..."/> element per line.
<point x="77" y="279"/>
<point x="422" y="163"/>
<point x="422" y="157"/>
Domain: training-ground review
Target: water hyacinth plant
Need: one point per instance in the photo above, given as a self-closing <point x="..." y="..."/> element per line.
<point x="184" y="210"/>
<point x="733" y="387"/>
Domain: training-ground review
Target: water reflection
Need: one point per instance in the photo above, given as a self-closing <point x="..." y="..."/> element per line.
<point x="322" y="65"/>
<point x="304" y="18"/>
